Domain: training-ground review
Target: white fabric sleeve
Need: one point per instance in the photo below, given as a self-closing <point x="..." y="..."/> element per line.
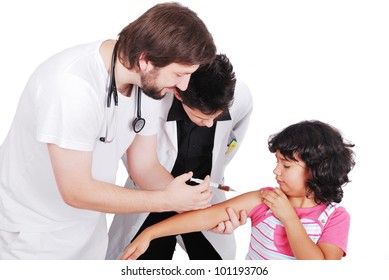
<point x="69" y="113"/>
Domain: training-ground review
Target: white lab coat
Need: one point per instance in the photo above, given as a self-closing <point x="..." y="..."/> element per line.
<point x="125" y="226"/>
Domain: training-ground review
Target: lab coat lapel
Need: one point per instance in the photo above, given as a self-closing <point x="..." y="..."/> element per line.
<point x="219" y="149"/>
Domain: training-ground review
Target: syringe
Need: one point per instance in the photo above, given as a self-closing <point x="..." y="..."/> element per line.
<point x="214" y="185"/>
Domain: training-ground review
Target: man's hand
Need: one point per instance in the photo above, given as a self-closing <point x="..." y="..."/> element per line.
<point x="181" y="197"/>
<point x="228" y="227"/>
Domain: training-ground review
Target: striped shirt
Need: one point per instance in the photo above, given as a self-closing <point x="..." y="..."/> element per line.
<point x="323" y="223"/>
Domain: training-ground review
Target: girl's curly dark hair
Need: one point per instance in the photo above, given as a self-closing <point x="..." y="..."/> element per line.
<point x="324" y="151"/>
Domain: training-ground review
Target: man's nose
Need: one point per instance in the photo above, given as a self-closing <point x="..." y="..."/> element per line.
<point x="183" y="82"/>
<point x="208" y="123"/>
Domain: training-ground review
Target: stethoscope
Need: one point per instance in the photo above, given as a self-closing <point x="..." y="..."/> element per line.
<point x="139" y="122"/>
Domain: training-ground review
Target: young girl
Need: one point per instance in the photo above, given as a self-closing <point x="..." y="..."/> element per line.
<point x="299" y="219"/>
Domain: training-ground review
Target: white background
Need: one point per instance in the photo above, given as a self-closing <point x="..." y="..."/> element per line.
<point x="325" y="60"/>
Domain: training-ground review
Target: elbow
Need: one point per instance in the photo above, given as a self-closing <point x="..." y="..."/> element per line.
<point x="74" y="196"/>
<point x="72" y="200"/>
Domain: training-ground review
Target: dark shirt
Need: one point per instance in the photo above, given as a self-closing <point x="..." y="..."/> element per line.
<point x="195" y="143"/>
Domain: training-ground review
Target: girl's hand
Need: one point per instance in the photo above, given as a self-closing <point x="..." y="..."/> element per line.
<point x="136" y="247"/>
<point x="278" y="203"/>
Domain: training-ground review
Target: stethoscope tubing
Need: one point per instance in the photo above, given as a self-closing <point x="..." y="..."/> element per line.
<point x="138" y="122"/>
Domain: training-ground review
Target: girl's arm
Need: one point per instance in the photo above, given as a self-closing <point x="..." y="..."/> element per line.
<point x="304" y="248"/>
<point x="191" y="221"/>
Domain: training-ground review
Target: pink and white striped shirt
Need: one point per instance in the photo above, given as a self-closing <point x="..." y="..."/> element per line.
<point x="323" y="223"/>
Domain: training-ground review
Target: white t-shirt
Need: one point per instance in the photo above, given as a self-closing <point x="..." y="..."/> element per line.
<point x="64" y="102"/>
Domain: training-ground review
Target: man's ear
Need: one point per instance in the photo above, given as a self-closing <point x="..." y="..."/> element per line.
<point x="144" y="64"/>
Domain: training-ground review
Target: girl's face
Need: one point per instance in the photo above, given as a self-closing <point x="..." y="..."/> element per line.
<point x="291" y="176"/>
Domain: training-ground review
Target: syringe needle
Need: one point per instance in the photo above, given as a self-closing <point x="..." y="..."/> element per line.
<point x="215" y="185"/>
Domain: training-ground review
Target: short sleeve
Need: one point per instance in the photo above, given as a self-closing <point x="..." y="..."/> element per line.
<point x="258" y="213"/>
<point x="337" y="229"/>
<point x="68" y="113"/>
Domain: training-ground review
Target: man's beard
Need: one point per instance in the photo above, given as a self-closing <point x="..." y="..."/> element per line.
<point x="148" y="87"/>
<point x="153" y="93"/>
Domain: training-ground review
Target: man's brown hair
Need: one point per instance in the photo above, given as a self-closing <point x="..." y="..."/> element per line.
<point x="166" y="33"/>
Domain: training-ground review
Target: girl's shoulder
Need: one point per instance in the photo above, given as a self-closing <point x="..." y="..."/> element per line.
<point x="259" y="209"/>
<point x="246" y="201"/>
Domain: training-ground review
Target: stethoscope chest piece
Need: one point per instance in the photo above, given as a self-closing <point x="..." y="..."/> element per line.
<point x="138" y="124"/>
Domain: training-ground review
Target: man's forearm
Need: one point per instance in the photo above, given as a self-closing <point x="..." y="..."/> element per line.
<point x="157" y="178"/>
<point x="109" y="198"/>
